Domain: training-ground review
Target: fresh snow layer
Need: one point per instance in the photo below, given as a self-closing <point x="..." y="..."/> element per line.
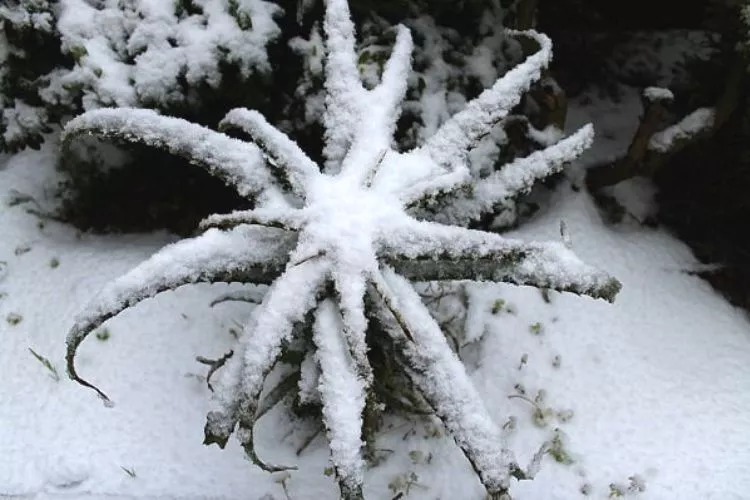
<point x="696" y="122"/>
<point x="658" y="94"/>
<point x="656" y="384"/>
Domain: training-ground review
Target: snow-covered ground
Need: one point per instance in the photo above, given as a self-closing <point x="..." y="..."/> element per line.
<point x="655" y="387"/>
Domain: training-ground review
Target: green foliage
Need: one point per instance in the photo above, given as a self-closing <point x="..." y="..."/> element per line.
<point x="558" y="449"/>
<point x="29" y="57"/>
<point x="47" y="364"/>
<point x="102" y="334"/>
<point x="13" y="319"/>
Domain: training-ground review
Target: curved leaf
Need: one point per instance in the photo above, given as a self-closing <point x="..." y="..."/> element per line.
<point x="237" y="163"/>
<point x="246" y="254"/>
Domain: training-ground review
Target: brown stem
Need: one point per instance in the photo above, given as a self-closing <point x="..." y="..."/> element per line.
<point x="630" y="164"/>
<point x="639" y="160"/>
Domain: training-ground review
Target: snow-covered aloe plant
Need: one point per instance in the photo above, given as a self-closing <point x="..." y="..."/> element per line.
<point x="339" y="244"/>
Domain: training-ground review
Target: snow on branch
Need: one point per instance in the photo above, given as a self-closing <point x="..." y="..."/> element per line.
<point x="343" y="394"/>
<point x="427" y="251"/>
<point x="235" y="162"/>
<point x="351" y="288"/>
<point x="515" y="178"/>
<point x="378" y="112"/>
<point x="280" y="148"/>
<point x="462" y="131"/>
<point x="697" y="122"/>
<point x="238" y="391"/>
<point x="250" y="254"/>
<point x="443" y="382"/>
<point x="290" y="219"/>
<point x="343" y="85"/>
<point x="658" y="94"/>
<point x="389" y="94"/>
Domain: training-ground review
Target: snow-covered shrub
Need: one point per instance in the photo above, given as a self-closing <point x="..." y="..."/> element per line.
<point x="29" y="56"/>
<point x="59" y="57"/>
<point x="155" y="53"/>
<point x="339" y="244"/>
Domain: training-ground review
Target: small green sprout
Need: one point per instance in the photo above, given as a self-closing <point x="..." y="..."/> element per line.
<point x="556" y="361"/>
<point x="129" y="471"/>
<point x="54" y="263"/>
<point x="565" y="416"/>
<point x="557" y="449"/>
<point x="536" y="328"/>
<point x="403" y="483"/>
<point x="419" y="457"/>
<point x="103" y="334"/>
<point x="636" y="485"/>
<point x="47" y="364"/>
<point x="524" y="360"/>
<point x="498" y="306"/>
<point x="13" y="319"/>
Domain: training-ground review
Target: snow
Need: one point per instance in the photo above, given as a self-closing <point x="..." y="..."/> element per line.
<point x="645" y="396"/>
<point x="466" y="127"/>
<point x="696" y="122"/>
<point x="658" y="94"/>
<point x="445" y="385"/>
<point x="239" y="163"/>
<point x="299" y="167"/>
<point x="656" y="381"/>
<point x="343" y="395"/>
<point x="138" y="53"/>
